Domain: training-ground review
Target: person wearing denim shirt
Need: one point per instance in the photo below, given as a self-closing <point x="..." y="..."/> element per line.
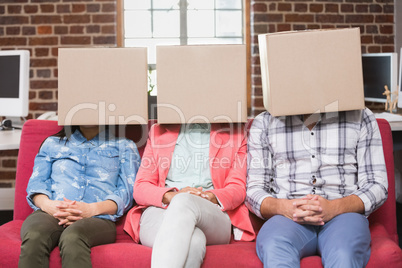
<point x="87" y="178"/>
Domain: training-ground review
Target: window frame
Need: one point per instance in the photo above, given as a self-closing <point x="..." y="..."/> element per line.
<point x="247" y="39"/>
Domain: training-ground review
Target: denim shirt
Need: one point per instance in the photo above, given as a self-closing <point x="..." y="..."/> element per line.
<point x="103" y="168"/>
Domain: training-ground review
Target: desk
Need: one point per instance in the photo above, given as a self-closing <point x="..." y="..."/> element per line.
<point x="396" y="128"/>
<point x="396" y="125"/>
<point x="395" y="121"/>
<point x="10" y="139"/>
<point x="7" y="198"/>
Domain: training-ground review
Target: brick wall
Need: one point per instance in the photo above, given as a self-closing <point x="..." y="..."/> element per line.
<point x="42" y="26"/>
<point x="374" y="17"/>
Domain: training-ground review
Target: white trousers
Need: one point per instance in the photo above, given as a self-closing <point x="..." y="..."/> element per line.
<point x="179" y="234"/>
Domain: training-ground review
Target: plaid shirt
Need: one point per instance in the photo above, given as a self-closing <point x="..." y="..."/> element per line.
<point x="340" y="156"/>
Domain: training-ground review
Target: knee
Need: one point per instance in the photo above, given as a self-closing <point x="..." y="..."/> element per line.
<point x="72" y="237"/>
<point x="275" y="248"/>
<point x="33" y="235"/>
<point x="39" y="235"/>
<point x="345" y="257"/>
<point x="181" y="202"/>
<point x="273" y="243"/>
<point x="181" y="198"/>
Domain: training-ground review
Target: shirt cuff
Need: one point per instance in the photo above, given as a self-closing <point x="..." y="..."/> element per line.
<point x="32" y="194"/>
<point x="168" y="190"/>
<point x="119" y="202"/>
<point x="366" y="202"/>
<point x="254" y="204"/>
<point x="220" y="204"/>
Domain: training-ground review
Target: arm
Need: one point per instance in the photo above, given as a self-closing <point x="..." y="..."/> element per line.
<point x="259" y="169"/>
<point x="148" y="190"/>
<point x="43" y="202"/>
<point x="122" y="196"/>
<point x="230" y="186"/>
<point x="372" y="174"/>
<point x="40" y="182"/>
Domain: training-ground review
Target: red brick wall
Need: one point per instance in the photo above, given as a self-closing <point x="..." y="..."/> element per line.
<point x="42" y="26"/>
<point x="374" y="17"/>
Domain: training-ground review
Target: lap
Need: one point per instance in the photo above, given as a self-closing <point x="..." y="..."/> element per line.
<point x="95" y="231"/>
<point x="343" y="230"/>
<point x="346" y="230"/>
<point x="41" y="223"/>
<point x="209" y="218"/>
<point x="280" y="232"/>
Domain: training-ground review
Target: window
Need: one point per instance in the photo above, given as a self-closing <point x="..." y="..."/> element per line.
<point x="148" y="23"/>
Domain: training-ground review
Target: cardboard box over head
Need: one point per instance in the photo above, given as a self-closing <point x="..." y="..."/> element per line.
<point x="103" y="86"/>
<point x="315" y="71"/>
<point x="201" y="83"/>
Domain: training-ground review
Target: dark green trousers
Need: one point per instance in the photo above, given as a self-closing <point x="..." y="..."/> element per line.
<point x="40" y="234"/>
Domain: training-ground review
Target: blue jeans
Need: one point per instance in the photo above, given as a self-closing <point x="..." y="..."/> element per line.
<point x="342" y="242"/>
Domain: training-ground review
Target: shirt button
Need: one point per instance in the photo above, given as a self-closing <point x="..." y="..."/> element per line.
<point x="313" y="179"/>
<point x="313" y="156"/>
<point x="312" y="133"/>
<point x="313" y="191"/>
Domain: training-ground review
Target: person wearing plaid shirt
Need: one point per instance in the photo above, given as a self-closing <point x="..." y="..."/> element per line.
<point x="315" y="179"/>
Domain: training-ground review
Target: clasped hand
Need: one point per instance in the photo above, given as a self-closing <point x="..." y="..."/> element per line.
<point x="191" y="190"/>
<point x="311" y="209"/>
<point x="68" y="211"/>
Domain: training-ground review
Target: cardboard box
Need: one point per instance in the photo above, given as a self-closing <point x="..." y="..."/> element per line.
<point x="201" y="83"/>
<point x="103" y="86"/>
<point x="311" y="71"/>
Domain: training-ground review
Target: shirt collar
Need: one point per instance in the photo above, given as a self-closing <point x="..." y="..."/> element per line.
<point x="313" y="118"/>
<point x="78" y="139"/>
<point x="196" y="126"/>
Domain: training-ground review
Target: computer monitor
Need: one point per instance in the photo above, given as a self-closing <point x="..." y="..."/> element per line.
<point x="14" y="83"/>
<point x="379" y="69"/>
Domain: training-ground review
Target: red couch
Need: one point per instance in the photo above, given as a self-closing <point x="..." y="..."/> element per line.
<point x="125" y="253"/>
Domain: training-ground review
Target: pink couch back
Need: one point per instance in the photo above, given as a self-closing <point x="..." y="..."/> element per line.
<point x="35" y="132"/>
<point x="386" y="214"/>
